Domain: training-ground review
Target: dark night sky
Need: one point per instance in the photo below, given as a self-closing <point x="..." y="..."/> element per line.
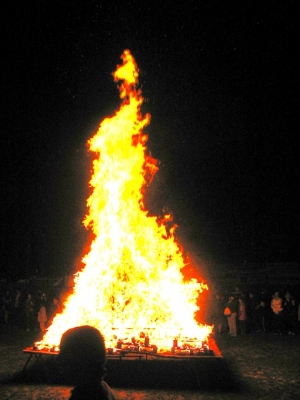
<point x="219" y="82"/>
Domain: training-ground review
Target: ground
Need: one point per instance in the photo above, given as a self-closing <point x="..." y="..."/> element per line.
<point x="258" y="366"/>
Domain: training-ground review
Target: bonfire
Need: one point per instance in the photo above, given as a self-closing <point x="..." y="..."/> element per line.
<point x="131" y="286"/>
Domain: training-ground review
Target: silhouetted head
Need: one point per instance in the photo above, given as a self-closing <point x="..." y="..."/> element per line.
<point x="82" y="354"/>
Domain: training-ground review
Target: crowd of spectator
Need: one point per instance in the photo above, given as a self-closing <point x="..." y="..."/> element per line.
<point x="236" y="313"/>
<point x="28" y="311"/>
<point x="242" y="313"/>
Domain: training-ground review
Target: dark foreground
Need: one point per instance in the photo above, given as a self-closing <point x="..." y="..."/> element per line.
<point x="256" y="366"/>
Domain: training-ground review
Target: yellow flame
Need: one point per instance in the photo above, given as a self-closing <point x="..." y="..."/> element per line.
<point x="132" y="280"/>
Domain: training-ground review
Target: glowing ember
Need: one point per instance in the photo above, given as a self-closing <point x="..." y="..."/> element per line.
<point x="131" y="288"/>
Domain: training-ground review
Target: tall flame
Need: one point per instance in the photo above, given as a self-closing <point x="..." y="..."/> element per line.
<point x="132" y="280"/>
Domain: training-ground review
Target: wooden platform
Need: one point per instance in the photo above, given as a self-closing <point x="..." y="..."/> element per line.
<point x="141" y="369"/>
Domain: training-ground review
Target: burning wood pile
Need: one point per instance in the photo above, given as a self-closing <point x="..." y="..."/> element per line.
<point x="143" y="345"/>
<point x="142" y="348"/>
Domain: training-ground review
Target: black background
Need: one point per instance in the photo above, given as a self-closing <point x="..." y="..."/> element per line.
<point x="219" y="80"/>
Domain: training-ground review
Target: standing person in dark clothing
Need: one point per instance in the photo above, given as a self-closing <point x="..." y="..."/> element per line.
<point x="251" y="305"/>
<point x="233" y="305"/>
<point x="7" y="305"/>
<point x="294" y="318"/>
<point x="30" y="312"/>
<point x="218" y="318"/>
<point x="17" y="306"/>
<point x="262" y="316"/>
<point x="263" y="296"/>
<point x="289" y="314"/>
<point x="54" y="309"/>
<point x="242" y="316"/>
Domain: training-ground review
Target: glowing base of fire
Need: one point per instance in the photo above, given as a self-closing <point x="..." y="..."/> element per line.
<point x="148" y="340"/>
<point x="122" y="348"/>
<point x="184" y="346"/>
<point x="187" y="346"/>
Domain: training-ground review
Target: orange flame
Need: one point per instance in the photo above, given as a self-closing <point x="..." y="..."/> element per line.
<point x="132" y="280"/>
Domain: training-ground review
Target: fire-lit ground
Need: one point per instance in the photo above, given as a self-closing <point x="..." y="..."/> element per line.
<point x="260" y="366"/>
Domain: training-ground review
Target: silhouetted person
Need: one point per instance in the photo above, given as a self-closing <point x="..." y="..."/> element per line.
<point x="242" y="315"/>
<point x="30" y="312"/>
<point x="217" y="314"/>
<point x="54" y="309"/>
<point x="82" y="359"/>
<point x="233" y="305"/>
<point x="42" y="315"/>
<point x="262" y="314"/>
<point x="7" y="305"/>
<point x="17" y="306"/>
<point x="289" y="314"/>
<point x="251" y="305"/>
